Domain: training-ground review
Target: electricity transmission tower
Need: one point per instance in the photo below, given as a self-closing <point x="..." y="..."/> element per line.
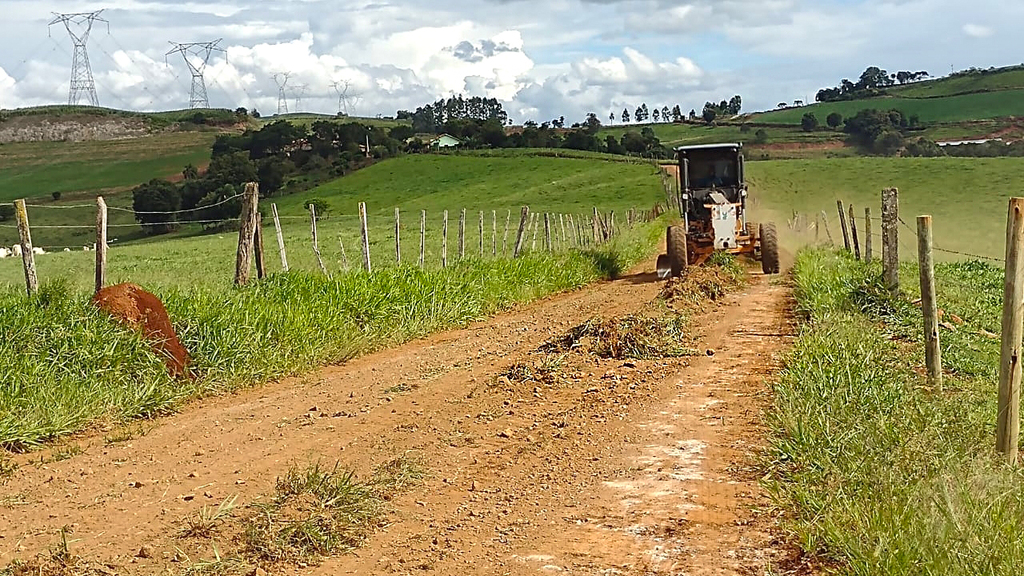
<point x="281" y="79"/>
<point x="345" y="100"/>
<point x="299" y="92"/>
<point x="200" y="53"/>
<point x="79" y="25"/>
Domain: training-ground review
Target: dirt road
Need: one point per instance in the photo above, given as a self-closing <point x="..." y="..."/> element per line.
<point x="620" y="467"/>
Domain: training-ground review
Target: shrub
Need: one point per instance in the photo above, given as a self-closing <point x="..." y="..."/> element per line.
<point x="55" y="195"/>
<point x="323" y="209"/>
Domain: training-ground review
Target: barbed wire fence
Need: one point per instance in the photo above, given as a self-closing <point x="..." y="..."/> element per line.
<point x="490" y="233"/>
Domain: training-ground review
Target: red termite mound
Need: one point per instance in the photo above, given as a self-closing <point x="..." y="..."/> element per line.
<point x="140" y="310"/>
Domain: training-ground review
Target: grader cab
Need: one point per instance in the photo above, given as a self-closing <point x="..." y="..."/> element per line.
<point x="713" y="205"/>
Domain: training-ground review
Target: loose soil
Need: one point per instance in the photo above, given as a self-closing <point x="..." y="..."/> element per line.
<point x="142" y="311"/>
<point x="601" y="467"/>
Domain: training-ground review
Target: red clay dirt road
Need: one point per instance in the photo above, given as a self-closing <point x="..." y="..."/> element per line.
<point x="639" y="467"/>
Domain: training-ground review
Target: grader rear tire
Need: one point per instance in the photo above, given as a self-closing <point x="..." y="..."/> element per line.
<point x="769" y="248"/>
<point x="677" y="257"/>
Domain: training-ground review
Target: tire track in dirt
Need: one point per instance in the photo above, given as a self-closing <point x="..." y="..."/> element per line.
<point x="621" y="468"/>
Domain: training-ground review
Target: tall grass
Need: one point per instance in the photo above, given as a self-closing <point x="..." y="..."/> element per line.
<point x="64" y="365"/>
<point x="880" y="474"/>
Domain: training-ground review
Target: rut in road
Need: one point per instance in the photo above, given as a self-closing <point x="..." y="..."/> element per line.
<point x="616" y="467"/>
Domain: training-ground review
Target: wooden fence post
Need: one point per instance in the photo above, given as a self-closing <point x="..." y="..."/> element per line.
<point x="868" y="232"/>
<point x="366" y="236"/>
<point x="481" y="233"/>
<point x="824" y="222"/>
<point x="1008" y="414"/>
<point x="933" y="356"/>
<point x="444" y="240"/>
<point x="27" y="256"/>
<point x="504" y="239"/>
<point x="280" y="238"/>
<point x="494" y="233"/>
<point x="316" y="241"/>
<point x="462" y="234"/>
<point x="536" y="225"/>
<point x="523" y="217"/>
<point x="423" y="236"/>
<point x="891" y="240"/>
<point x="594" y="224"/>
<point x="398" y="239"/>
<point x="561" y="225"/>
<point x="842" y="224"/>
<point x="101" y="243"/>
<point x="547" y="231"/>
<point x="261" y="264"/>
<point x="853" y="233"/>
<point x="246" y="233"/>
<point x="344" y="257"/>
<point x="611" y="224"/>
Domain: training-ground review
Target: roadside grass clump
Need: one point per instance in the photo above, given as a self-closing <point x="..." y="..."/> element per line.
<point x="640" y="336"/>
<point x="66" y="365"/>
<point x="318" y="511"/>
<point x="203" y="522"/>
<point x="546" y="370"/>
<point x="880" y="474"/>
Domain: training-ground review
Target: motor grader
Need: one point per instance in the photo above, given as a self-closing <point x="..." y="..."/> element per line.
<point x="713" y="206"/>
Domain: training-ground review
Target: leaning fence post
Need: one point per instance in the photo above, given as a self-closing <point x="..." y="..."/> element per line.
<point x="890" y="240"/>
<point x="444" y="240"/>
<point x="261" y="265"/>
<point x="536" y="225"/>
<point x="561" y="225"/>
<point x="494" y="233"/>
<point x="824" y="222"/>
<point x="1008" y="414"/>
<point x="344" y="257"/>
<point x="366" y="236"/>
<point x="481" y="233"/>
<point x="523" y="217"/>
<point x="868" y="233"/>
<point x="246" y="233"/>
<point x="280" y="238"/>
<point x="462" y="234"/>
<point x="27" y="256"/>
<point x="842" y="224"/>
<point x="933" y="356"/>
<point x="595" y="223"/>
<point x="423" y="236"/>
<point x="101" y="243"/>
<point x="853" y="233"/>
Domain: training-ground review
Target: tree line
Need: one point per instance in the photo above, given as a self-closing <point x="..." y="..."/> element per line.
<point x="872" y="82"/>
<point x="710" y="112"/>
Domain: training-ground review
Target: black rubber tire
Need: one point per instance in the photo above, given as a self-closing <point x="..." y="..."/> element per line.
<point x="752" y="229"/>
<point x="677" y="256"/>
<point x="769" y="248"/>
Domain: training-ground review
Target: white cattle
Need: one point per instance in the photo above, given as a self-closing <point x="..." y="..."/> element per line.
<point x="38" y="251"/>
<point x="4" y="252"/>
<point x="16" y="249"/>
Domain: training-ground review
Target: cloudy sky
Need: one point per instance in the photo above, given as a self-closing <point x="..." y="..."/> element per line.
<point x="543" y="58"/>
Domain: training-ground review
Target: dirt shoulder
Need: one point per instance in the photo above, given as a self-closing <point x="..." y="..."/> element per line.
<point x="612" y="467"/>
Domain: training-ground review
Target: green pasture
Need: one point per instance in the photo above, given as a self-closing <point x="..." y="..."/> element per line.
<point x="497" y="185"/>
<point x="1008" y="79"/>
<point x="966" y="196"/>
<point x="965" y="107"/>
<point x="673" y="134"/>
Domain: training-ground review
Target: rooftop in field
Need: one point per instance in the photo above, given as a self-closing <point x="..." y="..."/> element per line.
<point x="722" y="145"/>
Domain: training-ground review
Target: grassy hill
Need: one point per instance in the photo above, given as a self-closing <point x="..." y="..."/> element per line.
<point x="966" y="196"/>
<point x="412" y="183"/>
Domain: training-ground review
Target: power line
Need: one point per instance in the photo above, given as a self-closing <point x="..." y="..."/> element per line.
<point x="79" y="26"/>
<point x="201" y="51"/>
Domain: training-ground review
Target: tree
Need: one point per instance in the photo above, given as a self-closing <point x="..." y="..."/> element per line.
<point x="693" y="114"/>
<point x="55" y="196"/>
<point x="625" y="116"/>
<point x="323" y="209"/>
<point x="656" y="114"/>
<point x="735" y="104"/>
<point x="638" y="116"/>
<point x="834" y="120"/>
<point x="710" y="113"/>
<point x="611" y="118"/>
<point x="664" y="113"/>
<point x="783" y="105"/>
<point x="677" y="114"/>
<point x="255" y="113"/>
<point x="809" y="122"/>
<point x="189" y="172"/>
<point x="647" y="114"/>
<point x="592" y="124"/>
<point x="241" y="111"/>
<point x="156" y="196"/>
<point x="888" y="142"/>
<point x="761" y="137"/>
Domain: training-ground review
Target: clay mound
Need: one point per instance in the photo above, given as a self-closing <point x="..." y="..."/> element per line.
<point x="140" y="310"/>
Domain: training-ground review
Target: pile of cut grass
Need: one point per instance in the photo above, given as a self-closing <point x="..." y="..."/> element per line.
<point x="880" y="474"/>
<point x="64" y="365"/>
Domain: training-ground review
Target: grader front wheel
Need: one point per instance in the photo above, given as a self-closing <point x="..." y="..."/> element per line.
<point x="769" y="248"/>
<point x="676" y="243"/>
